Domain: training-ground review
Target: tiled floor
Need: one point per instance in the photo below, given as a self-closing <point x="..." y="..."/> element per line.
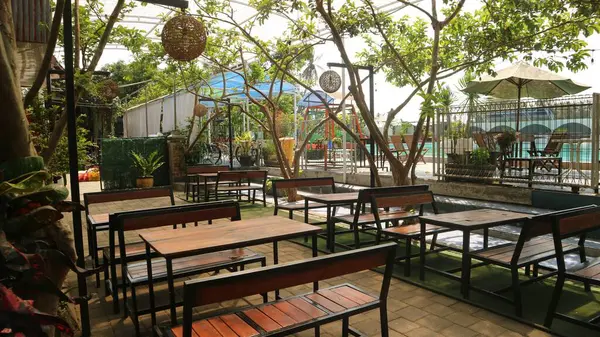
<point x="412" y="311"/>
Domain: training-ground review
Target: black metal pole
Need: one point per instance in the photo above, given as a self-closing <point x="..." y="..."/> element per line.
<point x="230" y="135"/>
<point x="73" y="162"/>
<point x="372" y="108"/>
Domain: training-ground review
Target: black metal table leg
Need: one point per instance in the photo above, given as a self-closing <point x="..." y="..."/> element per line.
<point x="206" y="197"/>
<point x="315" y="253"/>
<point x="466" y="264"/>
<point x="276" y="261"/>
<point x="486" y="234"/>
<point x="171" y="283"/>
<point x="422" y="249"/>
<point x="330" y="230"/>
<point x="150" y="284"/>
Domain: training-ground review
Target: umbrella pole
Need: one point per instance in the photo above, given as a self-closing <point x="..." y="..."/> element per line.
<point x="520" y="144"/>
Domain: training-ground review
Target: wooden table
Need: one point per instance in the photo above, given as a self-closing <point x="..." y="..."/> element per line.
<point x="206" y="177"/>
<point x="467" y="222"/>
<point x="331" y="200"/>
<point x="218" y="237"/>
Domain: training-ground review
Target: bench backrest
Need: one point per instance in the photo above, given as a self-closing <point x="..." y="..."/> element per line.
<point x="206" y="169"/>
<point x="546" y="223"/>
<point x="123" y="195"/>
<point x="397" y="142"/>
<point x="262" y="280"/>
<point x="281" y="184"/>
<point x="417" y="199"/>
<point x="167" y="216"/>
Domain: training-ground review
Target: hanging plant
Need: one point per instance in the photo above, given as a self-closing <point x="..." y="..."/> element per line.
<point x="184" y="38"/>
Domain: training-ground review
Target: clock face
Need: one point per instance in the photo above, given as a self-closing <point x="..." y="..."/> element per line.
<point x="330" y="81"/>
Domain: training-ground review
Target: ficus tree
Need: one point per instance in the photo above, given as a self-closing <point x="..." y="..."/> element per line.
<point x="273" y="61"/>
<point x="444" y="39"/>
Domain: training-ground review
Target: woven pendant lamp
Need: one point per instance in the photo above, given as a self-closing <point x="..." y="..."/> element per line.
<point x="330" y="81"/>
<point x="184" y="38"/>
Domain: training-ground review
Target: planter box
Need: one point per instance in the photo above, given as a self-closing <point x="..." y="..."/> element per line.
<point x="470" y="172"/>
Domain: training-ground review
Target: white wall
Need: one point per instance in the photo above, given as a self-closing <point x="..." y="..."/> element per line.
<point x="134" y="120"/>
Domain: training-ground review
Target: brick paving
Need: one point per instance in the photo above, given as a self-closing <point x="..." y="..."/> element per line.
<point x="412" y="311"/>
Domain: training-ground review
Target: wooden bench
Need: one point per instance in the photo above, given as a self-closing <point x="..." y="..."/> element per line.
<point x="290" y="315"/>
<point x="363" y="219"/>
<point x="533" y="246"/>
<point x="192" y="180"/>
<point x="282" y="184"/>
<point x="99" y="222"/>
<point x="577" y="223"/>
<point x="136" y="272"/>
<point x="410" y="230"/>
<point x="241" y="181"/>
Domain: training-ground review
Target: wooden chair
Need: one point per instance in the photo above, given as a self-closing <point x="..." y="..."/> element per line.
<point x="290" y="315"/>
<point x="409" y="231"/>
<point x="408" y="139"/>
<point x="282" y="184"/>
<point x="551" y="151"/>
<point x="399" y="147"/>
<point x="135" y="274"/>
<point x="362" y="221"/>
<point x="191" y="178"/>
<point x="94" y="226"/>
<point x="532" y="247"/>
<point x="240" y="181"/>
<point x="567" y="225"/>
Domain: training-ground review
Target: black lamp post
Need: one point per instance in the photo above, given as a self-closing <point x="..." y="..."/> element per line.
<point x="371" y="107"/>
<point x="72" y="141"/>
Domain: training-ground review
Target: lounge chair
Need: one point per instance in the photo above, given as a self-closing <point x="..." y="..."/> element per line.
<point x="551" y="151"/>
<point x="408" y="139"/>
<point x="399" y="147"/>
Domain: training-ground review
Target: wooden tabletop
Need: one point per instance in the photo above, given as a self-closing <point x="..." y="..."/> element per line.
<point x="228" y="235"/>
<point x="475" y="219"/>
<point x="333" y="198"/>
<point x="96" y="219"/>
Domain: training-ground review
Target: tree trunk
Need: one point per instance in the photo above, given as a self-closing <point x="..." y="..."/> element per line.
<point x="15" y="140"/>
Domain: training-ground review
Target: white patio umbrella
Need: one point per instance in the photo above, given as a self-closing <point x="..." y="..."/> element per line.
<point x="524" y="80"/>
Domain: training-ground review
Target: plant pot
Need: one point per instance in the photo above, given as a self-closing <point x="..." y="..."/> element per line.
<point x="144" y="182"/>
<point x="246" y="161"/>
<point x="315" y="154"/>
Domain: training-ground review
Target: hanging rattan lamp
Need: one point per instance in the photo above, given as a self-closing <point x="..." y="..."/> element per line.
<point x="200" y="110"/>
<point x="330" y="81"/>
<point x="184" y="38"/>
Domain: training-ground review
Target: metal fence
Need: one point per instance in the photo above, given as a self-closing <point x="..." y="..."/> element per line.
<point x="549" y="142"/>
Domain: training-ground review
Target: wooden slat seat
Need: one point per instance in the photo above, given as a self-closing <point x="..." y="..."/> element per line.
<point x="413" y="230"/>
<point x="137" y="272"/>
<point x="132" y="250"/>
<point x="535" y="250"/>
<point x="291" y="315"/>
<point x="279" y="316"/>
<point x="239" y="188"/>
<point x="589" y="270"/>
<point x="369" y="218"/>
<point x="299" y="205"/>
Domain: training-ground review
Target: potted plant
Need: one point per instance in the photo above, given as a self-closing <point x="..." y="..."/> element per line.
<point x="506" y="140"/>
<point x="457" y="144"/>
<point x="146" y="166"/>
<point x="479" y="165"/>
<point x="337" y="142"/>
<point x="243" y="152"/>
<point x="318" y="152"/>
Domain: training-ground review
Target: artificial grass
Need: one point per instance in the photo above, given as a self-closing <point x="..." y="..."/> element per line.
<point x="536" y="296"/>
